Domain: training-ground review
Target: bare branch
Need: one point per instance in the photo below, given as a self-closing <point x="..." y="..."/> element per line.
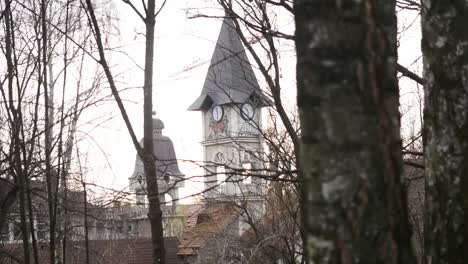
<point x="407" y="73"/>
<point x="128" y="2"/>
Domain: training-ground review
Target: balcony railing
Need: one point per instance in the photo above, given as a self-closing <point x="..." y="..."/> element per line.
<point x="235" y="190"/>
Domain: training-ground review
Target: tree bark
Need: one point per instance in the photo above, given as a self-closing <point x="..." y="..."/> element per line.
<point x="49" y="174"/>
<point x="445" y="50"/>
<point x="155" y="213"/>
<point x="353" y="198"/>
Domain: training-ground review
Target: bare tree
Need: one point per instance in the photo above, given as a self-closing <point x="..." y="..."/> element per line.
<point x="146" y="153"/>
<point x="31" y="46"/>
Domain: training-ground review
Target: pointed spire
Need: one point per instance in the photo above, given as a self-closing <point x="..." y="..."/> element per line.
<point x="230" y="78"/>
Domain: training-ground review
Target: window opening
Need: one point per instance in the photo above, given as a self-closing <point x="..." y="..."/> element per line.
<point x="221" y="175"/>
<point x="247" y="173"/>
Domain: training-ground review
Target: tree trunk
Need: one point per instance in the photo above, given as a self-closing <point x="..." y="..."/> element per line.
<point x="49" y="174"/>
<point x="445" y="50"/>
<point x="353" y="198"/>
<point x="85" y="219"/>
<point x="155" y="213"/>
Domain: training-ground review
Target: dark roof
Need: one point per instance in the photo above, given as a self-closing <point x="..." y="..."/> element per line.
<point x="166" y="156"/>
<point x="209" y="222"/>
<point x="164" y="151"/>
<point x="230" y="78"/>
<point x="158" y="124"/>
<point x="128" y="251"/>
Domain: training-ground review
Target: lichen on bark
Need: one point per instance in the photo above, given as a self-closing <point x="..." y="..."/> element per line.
<point x="354" y="202"/>
<point x="445" y="52"/>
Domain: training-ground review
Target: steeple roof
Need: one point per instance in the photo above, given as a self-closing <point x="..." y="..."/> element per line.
<point x="230" y="78"/>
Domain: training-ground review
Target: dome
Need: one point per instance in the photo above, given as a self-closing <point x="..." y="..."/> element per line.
<point x="163" y="149"/>
<point x="157" y="124"/>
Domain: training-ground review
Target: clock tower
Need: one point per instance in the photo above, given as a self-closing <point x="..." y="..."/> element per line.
<point x="230" y="103"/>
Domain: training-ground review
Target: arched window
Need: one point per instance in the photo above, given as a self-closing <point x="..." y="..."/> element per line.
<point x="140" y="179"/>
<point x="141" y="198"/>
<point x="220" y="175"/>
<point x="167" y="177"/>
<point x="247" y="173"/>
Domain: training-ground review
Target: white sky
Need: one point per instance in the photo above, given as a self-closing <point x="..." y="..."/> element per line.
<point x="409" y="55"/>
<point x="180" y="43"/>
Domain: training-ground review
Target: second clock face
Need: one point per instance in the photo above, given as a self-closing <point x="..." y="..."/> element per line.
<point x="217" y="113"/>
<point x="247" y="111"/>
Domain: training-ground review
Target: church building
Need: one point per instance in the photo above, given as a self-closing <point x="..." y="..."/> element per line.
<point x="230" y="103"/>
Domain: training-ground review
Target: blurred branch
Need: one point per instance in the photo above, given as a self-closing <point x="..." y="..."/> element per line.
<point x="414" y="164"/>
<point x="407" y="73"/>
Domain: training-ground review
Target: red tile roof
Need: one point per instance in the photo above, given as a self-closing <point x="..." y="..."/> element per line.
<point x="209" y="222"/>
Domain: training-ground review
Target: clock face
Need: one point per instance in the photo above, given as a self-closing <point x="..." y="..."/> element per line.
<point x="217" y="113"/>
<point x="247" y="111"/>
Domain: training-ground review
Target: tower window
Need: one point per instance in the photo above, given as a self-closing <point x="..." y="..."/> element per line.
<point x="140" y="179"/>
<point x="246" y="173"/>
<point x="167" y="176"/>
<point x="119" y="228"/>
<point x="220" y="175"/>
<point x="141" y="198"/>
<point x="41" y="230"/>
<point x="16" y="231"/>
<point x="5" y="233"/>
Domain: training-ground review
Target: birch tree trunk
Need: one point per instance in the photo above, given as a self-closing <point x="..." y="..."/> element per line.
<point x="445" y="51"/>
<point x="354" y="203"/>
